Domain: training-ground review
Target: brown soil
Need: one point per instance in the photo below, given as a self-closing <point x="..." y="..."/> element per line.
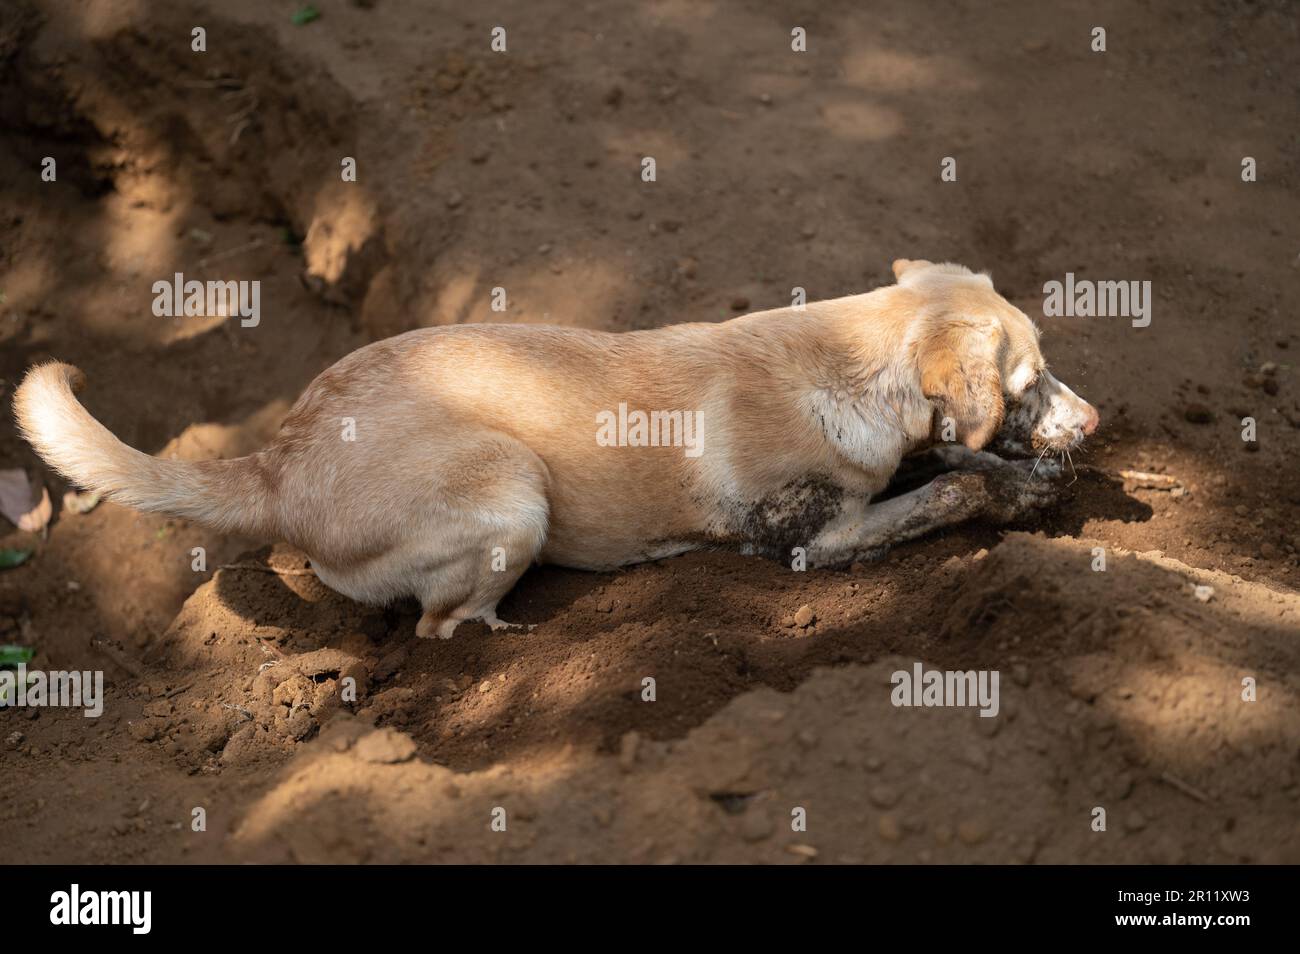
<point x="1120" y="689"/>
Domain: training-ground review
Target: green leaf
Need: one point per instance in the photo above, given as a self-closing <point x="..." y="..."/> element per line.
<point x="12" y="558"/>
<point x="11" y="655"/>
<point x="305" y="15"/>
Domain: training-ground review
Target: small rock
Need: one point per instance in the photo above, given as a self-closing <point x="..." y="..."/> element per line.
<point x="454" y="199"/>
<point x="1203" y="593"/>
<point x="143" y="731"/>
<point x="755" y="825"/>
<point x="972" y="832"/>
<point x="385" y="747"/>
<point x="889" y="828"/>
<point x="804" y="617"/>
<point x="739" y="303"/>
<point x="628" y="746"/>
<point x="1198" y="414"/>
<point x="1268" y="551"/>
<point x="976" y="758"/>
<point x="884" y="796"/>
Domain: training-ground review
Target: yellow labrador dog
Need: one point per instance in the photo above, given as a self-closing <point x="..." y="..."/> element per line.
<point x="441" y="463"/>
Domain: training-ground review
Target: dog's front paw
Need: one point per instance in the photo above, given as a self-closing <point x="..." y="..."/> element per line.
<point x="1023" y="487"/>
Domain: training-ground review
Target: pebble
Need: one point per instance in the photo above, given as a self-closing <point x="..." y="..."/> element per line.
<point x="803" y="616"/>
<point x="972" y="832"/>
<point x="628" y="746"/>
<point x="755" y="826"/>
<point x="976" y="757"/>
<point x="739" y="303"/>
<point x="889" y="828"/>
<point x="454" y="199"/>
<point x="884" y="796"/>
<point x="1203" y="593"/>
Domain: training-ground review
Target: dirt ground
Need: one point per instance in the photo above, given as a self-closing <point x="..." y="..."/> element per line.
<point x="1120" y="689"/>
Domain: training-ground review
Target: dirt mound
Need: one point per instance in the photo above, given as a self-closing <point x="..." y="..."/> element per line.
<point x="1120" y="689"/>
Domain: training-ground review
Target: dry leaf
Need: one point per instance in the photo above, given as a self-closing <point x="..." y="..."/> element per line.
<point x="74" y="502"/>
<point x="18" y="501"/>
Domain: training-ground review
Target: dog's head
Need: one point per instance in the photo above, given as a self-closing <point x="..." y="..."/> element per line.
<point x="979" y="364"/>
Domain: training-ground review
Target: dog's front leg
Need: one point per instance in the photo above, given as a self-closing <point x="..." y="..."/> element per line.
<point x="865" y="531"/>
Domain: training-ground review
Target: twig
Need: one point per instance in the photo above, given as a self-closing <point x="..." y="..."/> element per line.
<point x="1183" y="787"/>
<point x="248" y="247"/>
<point x="1151" y="481"/>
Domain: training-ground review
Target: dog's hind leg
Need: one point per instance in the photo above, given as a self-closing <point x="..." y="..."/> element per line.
<point x="485" y="547"/>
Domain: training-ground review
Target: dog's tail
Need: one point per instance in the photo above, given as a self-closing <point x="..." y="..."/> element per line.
<point x="227" y="495"/>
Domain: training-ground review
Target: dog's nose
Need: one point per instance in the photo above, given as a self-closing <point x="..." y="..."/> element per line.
<point x="1091" y="421"/>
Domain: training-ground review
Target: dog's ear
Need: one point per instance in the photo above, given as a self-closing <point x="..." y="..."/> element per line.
<point x="959" y="374"/>
<point x="902" y="266"/>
